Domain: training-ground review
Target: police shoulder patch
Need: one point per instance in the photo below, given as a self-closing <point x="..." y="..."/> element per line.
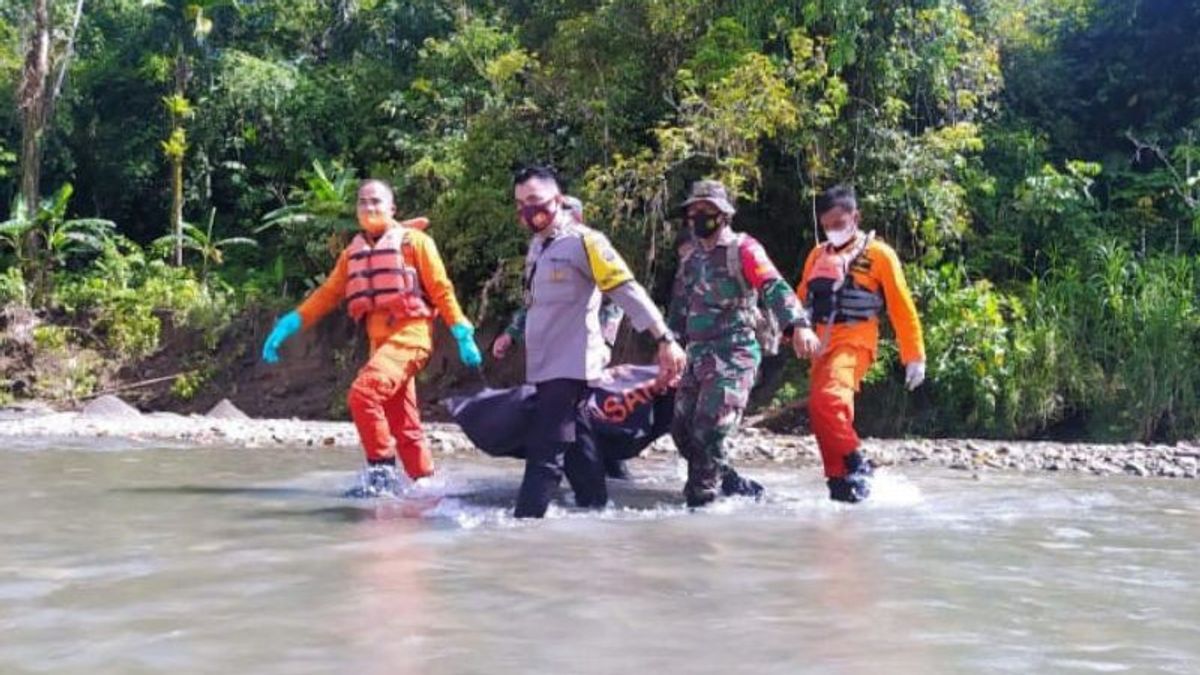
<point x="608" y="268"/>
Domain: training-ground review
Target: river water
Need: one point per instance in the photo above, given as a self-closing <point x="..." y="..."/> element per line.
<point x="115" y="559"/>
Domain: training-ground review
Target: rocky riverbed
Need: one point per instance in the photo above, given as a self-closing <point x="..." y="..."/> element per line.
<point x="112" y="418"/>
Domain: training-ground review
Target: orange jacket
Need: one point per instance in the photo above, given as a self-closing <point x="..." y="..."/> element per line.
<point x="878" y="270"/>
<point x="381" y="325"/>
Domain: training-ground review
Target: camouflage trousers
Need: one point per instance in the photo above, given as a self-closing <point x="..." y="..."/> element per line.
<point x="709" y="404"/>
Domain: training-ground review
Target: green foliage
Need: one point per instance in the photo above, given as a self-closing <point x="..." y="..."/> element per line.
<point x="128" y="296"/>
<point x="210" y="249"/>
<point x="320" y="221"/>
<point x="1132" y="328"/>
<point x="1035" y="162"/>
<point x="985" y="375"/>
<point x="12" y="287"/>
<point x="50" y="337"/>
<point x="187" y="384"/>
<point x="50" y="232"/>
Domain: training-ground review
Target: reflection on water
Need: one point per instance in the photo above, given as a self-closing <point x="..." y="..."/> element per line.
<point x="145" y="560"/>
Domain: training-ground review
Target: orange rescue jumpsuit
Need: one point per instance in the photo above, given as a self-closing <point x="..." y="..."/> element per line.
<point x="849" y="349"/>
<point x="383" y="397"/>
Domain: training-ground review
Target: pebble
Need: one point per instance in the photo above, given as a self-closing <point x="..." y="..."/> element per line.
<point x="109" y="416"/>
<point x="1136" y="469"/>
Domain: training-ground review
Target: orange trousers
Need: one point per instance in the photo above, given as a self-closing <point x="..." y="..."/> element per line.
<point x="836" y="376"/>
<point x="383" y="404"/>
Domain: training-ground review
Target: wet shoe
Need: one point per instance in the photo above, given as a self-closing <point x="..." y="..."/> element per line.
<point x="376" y="481"/>
<point x="698" y="496"/>
<point x="855" y="486"/>
<point x="701" y="486"/>
<point x="736" y="485"/>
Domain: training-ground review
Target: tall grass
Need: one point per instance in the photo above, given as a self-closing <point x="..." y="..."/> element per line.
<point x="1102" y="339"/>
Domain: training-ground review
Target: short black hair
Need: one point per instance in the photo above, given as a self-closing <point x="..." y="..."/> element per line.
<point x="838" y="196"/>
<point x="524" y="174"/>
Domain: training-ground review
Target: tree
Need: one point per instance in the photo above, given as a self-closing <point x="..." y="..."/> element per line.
<point x="36" y="96"/>
<point x="190" y="25"/>
<point x="57" y="237"/>
<point x="32" y="102"/>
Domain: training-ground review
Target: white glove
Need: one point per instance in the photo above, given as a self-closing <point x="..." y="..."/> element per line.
<point x="914" y="375"/>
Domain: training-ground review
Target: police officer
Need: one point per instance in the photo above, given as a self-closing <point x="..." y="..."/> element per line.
<point x="567" y="269"/>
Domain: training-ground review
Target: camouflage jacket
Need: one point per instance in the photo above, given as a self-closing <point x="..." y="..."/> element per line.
<point x="716" y="293"/>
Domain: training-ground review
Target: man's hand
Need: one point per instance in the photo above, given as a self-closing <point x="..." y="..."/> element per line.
<point x="805" y="342"/>
<point x="468" y="351"/>
<point x="671" y="362"/>
<point x="287" y="325"/>
<point x="501" y="346"/>
<point x="914" y="374"/>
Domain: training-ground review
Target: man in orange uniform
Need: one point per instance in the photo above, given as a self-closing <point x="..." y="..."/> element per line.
<point x="847" y="281"/>
<point x="392" y="277"/>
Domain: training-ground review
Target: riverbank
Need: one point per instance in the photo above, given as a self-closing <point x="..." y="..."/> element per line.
<point x="225" y="425"/>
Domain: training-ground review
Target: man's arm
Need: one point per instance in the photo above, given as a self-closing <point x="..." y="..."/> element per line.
<point x="516" y="326"/>
<point x="802" y="285"/>
<point x="613" y="277"/>
<point x="328" y="295"/>
<point x="677" y="308"/>
<point x="610" y="320"/>
<point x="902" y="312"/>
<point x="434" y="279"/>
<point x="763" y="276"/>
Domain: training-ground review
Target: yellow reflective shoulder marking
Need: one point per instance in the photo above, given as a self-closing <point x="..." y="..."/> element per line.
<point x="608" y="268"/>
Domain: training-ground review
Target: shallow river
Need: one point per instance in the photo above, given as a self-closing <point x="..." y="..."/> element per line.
<point x="124" y="560"/>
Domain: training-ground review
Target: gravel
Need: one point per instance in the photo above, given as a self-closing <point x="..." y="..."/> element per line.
<point x="114" y="419"/>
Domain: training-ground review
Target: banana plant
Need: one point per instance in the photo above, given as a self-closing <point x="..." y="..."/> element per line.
<point x="321" y="217"/>
<point x="202" y="242"/>
<point x="49" y="239"/>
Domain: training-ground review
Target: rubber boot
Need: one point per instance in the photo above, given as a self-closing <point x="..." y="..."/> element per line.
<point x="701" y="487"/>
<point x="855" y="486"/>
<point x="734" y="484"/>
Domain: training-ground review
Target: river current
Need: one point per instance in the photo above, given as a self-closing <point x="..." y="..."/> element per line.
<point x="124" y="559"/>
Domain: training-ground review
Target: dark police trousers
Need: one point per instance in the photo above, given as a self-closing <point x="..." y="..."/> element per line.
<point x="560" y="431"/>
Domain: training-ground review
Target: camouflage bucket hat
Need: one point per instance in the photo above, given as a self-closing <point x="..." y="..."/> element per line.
<point x="710" y="191"/>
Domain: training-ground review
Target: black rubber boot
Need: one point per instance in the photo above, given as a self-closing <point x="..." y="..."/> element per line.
<point x="701" y="487"/>
<point x="734" y="484"/>
<point x="855" y="486"/>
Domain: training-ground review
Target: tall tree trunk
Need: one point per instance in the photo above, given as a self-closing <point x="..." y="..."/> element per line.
<point x="182" y="75"/>
<point x="177" y="207"/>
<point x="32" y="101"/>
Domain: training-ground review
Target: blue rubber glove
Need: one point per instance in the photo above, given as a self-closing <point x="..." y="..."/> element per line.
<point x="288" y="325"/>
<point x="468" y="351"/>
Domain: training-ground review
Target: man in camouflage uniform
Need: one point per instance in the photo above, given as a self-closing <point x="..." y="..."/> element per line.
<point x="713" y="308"/>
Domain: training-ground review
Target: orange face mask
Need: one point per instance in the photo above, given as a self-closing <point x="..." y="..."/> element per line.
<point x="374" y="223"/>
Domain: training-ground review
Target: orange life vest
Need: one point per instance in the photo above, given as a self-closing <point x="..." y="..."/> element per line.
<point x="380" y="278"/>
<point x="833" y="296"/>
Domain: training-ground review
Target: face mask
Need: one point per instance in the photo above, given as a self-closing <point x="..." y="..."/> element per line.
<point x="840" y="237"/>
<point x="704" y="224"/>
<point x="373" y="223"/>
<point x="537" y="216"/>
